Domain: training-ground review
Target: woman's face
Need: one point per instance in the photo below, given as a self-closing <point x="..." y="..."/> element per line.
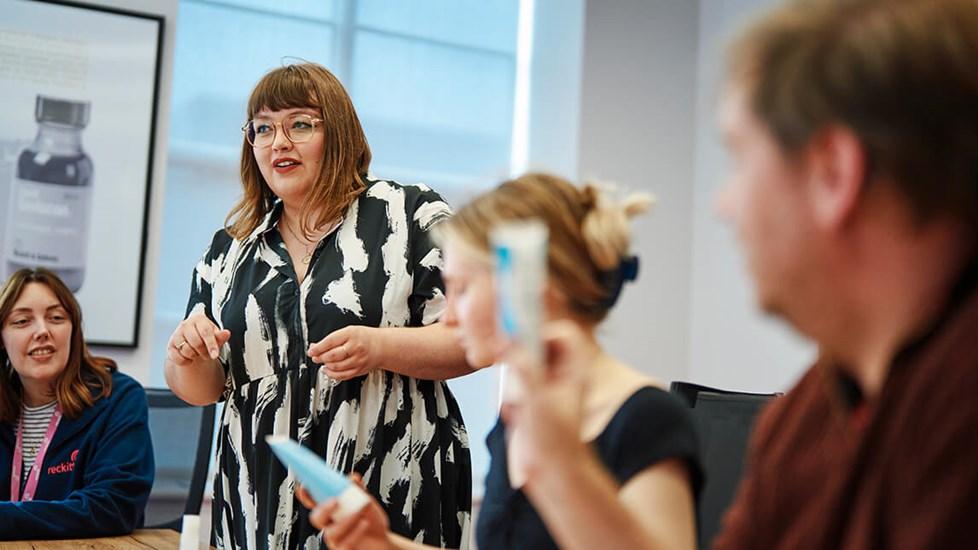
<point x="471" y="308"/>
<point x="37" y="336"/>
<point x="290" y="169"/>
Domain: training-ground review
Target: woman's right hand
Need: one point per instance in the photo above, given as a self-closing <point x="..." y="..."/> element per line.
<point x="196" y="339"/>
<point x="367" y="529"/>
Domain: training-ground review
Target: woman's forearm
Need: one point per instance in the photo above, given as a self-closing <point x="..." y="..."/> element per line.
<point x="198" y="384"/>
<point x="430" y="353"/>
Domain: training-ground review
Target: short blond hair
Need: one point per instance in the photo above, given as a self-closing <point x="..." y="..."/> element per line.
<point x="901" y="74"/>
<point x="589" y="233"/>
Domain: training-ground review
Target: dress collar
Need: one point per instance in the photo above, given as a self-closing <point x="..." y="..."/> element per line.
<point x="269" y="222"/>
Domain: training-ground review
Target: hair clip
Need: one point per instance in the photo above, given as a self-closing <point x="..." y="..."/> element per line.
<point x="629" y="268"/>
<point x="614" y="279"/>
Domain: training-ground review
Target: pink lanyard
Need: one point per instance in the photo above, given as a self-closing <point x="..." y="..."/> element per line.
<point x="18" y="464"/>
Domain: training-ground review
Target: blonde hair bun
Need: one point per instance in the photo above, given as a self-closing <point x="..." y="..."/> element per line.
<point x="589" y="237"/>
<point x="606" y="226"/>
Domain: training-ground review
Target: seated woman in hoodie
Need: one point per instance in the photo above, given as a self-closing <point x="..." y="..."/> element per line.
<point x="74" y="436"/>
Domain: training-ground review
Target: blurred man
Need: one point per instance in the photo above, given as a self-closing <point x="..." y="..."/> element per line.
<point x="853" y="132"/>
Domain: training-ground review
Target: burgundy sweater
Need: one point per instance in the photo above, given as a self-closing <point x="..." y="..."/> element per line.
<point x="827" y="469"/>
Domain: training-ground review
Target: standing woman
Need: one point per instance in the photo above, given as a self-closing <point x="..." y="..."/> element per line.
<point x="74" y="435"/>
<point x="313" y="315"/>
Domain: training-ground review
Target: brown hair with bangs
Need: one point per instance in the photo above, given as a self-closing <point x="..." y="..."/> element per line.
<point x="900" y="74"/>
<point x="589" y="234"/>
<point x="346" y="155"/>
<point x="85" y="379"/>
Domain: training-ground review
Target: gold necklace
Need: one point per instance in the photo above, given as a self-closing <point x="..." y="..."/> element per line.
<point x="308" y="257"/>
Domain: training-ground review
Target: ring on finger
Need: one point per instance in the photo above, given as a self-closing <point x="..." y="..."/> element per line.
<point x="180" y="345"/>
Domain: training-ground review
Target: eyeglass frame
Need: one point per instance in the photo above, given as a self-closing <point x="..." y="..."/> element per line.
<point x="278" y="124"/>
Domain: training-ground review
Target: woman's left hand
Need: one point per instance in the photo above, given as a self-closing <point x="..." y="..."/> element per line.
<point x="546" y="422"/>
<point x="348" y="352"/>
<point x="366" y="529"/>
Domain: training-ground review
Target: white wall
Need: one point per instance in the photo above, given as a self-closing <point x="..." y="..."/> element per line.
<point x="647" y="120"/>
<point x="555" y="86"/>
<point x="731" y="345"/>
<point x="637" y="129"/>
<point x="136" y="362"/>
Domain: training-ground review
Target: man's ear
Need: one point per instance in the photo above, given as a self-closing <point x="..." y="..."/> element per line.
<point x="837" y="166"/>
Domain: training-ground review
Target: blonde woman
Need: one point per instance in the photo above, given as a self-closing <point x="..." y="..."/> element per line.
<point x="642" y="437"/>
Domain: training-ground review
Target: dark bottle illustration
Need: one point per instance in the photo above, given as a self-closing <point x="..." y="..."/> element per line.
<point x="50" y="195"/>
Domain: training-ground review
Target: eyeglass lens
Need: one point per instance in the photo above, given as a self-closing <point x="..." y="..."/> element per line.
<point x="261" y="132"/>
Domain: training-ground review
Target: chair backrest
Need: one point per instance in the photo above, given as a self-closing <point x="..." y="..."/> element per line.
<point x="182" y="436"/>
<point x="724" y="421"/>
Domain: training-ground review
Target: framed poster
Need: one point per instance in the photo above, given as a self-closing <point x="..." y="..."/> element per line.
<point x="78" y="95"/>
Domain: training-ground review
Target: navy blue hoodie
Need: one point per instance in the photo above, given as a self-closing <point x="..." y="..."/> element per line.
<point x="97" y="473"/>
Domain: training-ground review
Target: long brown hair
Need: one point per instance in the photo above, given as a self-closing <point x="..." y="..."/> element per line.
<point x="346" y="155"/>
<point x="589" y="234"/>
<point x="86" y="378"/>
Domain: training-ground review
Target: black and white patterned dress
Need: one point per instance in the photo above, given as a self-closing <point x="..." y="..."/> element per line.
<point x="378" y="268"/>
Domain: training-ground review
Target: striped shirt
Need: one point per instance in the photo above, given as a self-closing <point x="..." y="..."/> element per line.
<point x="36" y="420"/>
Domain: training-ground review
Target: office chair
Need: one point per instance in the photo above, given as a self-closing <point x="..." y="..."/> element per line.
<point x="724" y="420"/>
<point x="182" y="436"/>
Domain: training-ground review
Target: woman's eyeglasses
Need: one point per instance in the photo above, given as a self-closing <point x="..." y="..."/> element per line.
<point x="260" y="132"/>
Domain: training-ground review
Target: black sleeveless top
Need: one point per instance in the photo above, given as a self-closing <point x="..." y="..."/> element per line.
<point x="651" y="425"/>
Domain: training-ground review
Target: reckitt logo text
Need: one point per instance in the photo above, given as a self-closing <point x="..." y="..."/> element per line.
<point x="64" y="467"/>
